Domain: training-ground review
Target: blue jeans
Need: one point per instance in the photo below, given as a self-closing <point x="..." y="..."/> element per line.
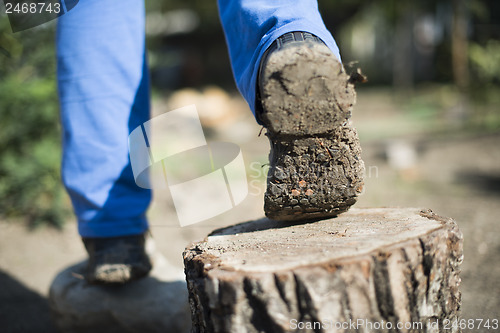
<point x="104" y="95"/>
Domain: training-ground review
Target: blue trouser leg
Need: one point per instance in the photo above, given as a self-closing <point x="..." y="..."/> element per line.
<point x="104" y="95"/>
<point x="251" y="26"/>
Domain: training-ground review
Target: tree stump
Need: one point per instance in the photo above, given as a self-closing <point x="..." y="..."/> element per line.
<point x="368" y="270"/>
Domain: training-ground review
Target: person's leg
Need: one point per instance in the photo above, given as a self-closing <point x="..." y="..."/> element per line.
<point x="251" y="26"/>
<point x="104" y="94"/>
<point x="287" y="66"/>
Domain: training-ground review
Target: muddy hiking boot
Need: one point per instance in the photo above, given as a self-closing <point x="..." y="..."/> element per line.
<point x="306" y="98"/>
<point x="116" y="260"/>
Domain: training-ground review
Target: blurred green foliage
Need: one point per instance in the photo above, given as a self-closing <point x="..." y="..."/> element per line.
<point x="485" y="60"/>
<point x="30" y="149"/>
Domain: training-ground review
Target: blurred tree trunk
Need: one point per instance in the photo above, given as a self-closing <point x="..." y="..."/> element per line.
<point x="459" y="45"/>
<point x="402" y="78"/>
<point x="459" y="59"/>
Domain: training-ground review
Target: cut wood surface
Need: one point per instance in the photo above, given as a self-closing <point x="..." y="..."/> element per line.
<point x="371" y="269"/>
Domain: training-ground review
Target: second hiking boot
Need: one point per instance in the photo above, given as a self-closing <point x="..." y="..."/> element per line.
<point x="315" y="167"/>
<point x="117" y="260"/>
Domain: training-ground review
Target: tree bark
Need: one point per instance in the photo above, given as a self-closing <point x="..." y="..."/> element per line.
<point x="365" y="270"/>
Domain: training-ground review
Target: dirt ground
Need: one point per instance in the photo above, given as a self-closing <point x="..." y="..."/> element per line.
<point x="455" y="174"/>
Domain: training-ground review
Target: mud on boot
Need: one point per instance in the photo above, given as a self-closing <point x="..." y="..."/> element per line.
<point x="316" y="169"/>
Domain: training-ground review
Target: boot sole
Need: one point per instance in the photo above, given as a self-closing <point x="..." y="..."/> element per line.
<point x="315" y="160"/>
